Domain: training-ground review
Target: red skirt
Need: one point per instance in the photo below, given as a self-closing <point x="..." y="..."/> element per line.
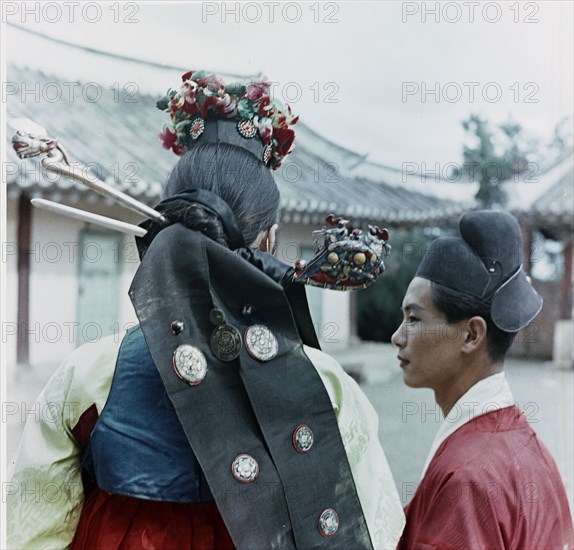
<point x="110" y="522"/>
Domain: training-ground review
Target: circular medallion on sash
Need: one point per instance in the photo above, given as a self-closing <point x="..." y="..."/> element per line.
<point x="261" y="343"/>
<point x="328" y="522"/>
<point x="245" y="468"/>
<point x="225" y="342"/>
<point x="189" y="364"/>
<point x="303" y="438"/>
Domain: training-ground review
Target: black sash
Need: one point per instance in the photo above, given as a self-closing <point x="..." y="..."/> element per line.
<point x="245" y="405"/>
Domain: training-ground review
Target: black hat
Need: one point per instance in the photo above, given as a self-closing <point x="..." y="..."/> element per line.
<point x="486" y="263"/>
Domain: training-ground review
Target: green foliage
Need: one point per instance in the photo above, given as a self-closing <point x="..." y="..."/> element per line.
<point x="379" y="306"/>
<point x="561" y="145"/>
<point x="496" y="154"/>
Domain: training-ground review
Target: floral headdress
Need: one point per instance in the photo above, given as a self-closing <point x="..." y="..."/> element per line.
<point x="204" y="96"/>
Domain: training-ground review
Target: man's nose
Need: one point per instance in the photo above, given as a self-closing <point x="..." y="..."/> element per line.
<point x="398" y="338"/>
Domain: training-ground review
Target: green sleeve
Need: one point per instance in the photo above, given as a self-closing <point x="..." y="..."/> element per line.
<point x="358" y="424"/>
<point x="44" y="496"/>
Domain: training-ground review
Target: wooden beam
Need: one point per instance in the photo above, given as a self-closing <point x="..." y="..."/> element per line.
<point x="24" y="241"/>
<point x="526" y="246"/>
<point x="566" y="283"/>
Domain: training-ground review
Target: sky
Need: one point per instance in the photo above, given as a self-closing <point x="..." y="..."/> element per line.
<point x="393" y="80"/>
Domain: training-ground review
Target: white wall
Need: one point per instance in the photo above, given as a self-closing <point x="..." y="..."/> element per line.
<point x="330" y="309"/>
<point x="54" y="267"/>
<point x="128" y="259"/>
<point x="53" y="287"/>
<point x="336" y="323"/>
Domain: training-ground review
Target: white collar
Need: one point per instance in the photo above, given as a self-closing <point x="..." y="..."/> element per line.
<point x="489" y="394"/>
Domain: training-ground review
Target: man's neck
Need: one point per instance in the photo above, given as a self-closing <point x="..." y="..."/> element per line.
<point x="447" y="396"/>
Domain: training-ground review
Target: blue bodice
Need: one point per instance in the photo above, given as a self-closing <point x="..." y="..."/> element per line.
<point x="138" y="447"/>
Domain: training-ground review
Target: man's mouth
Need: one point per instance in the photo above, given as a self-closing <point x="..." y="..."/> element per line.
<point x="402" y="362"/>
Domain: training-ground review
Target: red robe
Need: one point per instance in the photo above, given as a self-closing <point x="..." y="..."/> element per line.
<point x="491" y="484"/>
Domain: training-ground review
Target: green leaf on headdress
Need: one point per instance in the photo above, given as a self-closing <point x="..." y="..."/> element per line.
<point x="181" y="126"/>
<point x="179" y="116"/>
<point x="245" y="108"/>
<point x="235" y="88"/>
<point x="162" y="104"/>
<point x="201" y="95"/>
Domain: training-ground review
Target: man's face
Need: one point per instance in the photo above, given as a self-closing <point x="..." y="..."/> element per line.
<point x="429" y="347"/>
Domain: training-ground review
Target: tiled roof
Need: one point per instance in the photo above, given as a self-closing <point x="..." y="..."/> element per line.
<point x="546" y="200"/>
<point x="102" y="134"/>
<point x="117" y="136"/>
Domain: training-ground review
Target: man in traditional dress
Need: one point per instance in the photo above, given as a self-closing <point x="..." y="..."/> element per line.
<point x="489" y="482"/>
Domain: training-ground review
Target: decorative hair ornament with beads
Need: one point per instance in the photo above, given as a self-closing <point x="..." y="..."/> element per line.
<point x="345" y="258"/>
<point x="204" y="96"/>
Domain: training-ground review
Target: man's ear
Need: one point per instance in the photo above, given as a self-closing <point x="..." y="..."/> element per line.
<point x="476" y="330"/>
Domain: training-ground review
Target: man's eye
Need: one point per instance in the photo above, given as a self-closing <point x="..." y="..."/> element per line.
<point x="411" y="319"/>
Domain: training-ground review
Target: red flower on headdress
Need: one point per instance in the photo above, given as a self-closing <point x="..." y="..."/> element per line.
<point x="290" y="118"/>
<point x="179" y="149"/>
<point x="190" y="108"/>
<point x="175" y="104"/>
<point x="257" y="88"/>
<point x="265" y="128"/>
<point x="283" y="120"/>
<point x="264" y="106"/>
<point x="209" y="80"/>
<point x="226" y="106"/>
<point x="168" y="138"/>
<point x="187" y="75"/>
<point x="180" y="104"/>
<point x="187" y="101"/>
<point x="280" y="121"/>
<point x="188" y="91"/>
<point x="207" y="103"/>
<point x="284" y="138"/>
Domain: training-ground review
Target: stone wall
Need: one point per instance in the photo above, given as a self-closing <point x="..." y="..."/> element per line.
<point x="536" y="340"/>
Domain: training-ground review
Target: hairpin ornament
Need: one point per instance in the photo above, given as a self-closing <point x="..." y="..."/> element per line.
<point x="89" y="217"/>
<point x="346" y="258"/>
<point x="32" y="140"/>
